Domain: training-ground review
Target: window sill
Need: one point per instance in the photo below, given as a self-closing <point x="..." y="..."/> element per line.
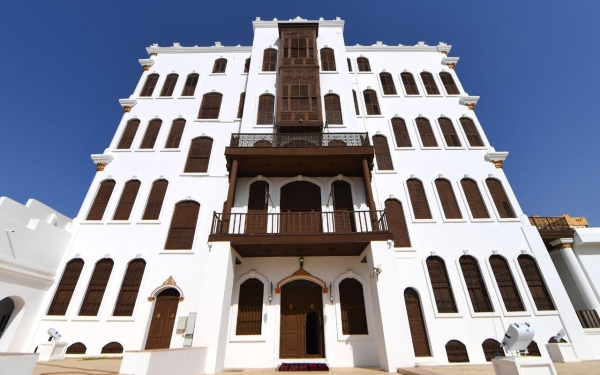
<point x="165" y="97"/>
<point x="121" y="319"/>
<point x="92" y="222"/>
<point x="351" y="338"/>
<point x="374" y="116"/>
<point x="423" y="221"/>
<point x="450" y="148"/>
<point x="217" y="74"/>
<point x="119" y="222"/>
<point x="145" y="97"/>
<point x="451" y="95"/>
<point x="546" y="312"/>
<point x="145" y="150"/>
<point x="434" y="95"/>
<point x="431" y="148"/>
<point x="329" y="72"/>
<point x="207" y="120"/>
<point x="262" y="126"/>
<point x="412" y="95"/>
<point x="447" y="315"/>
<point x="365" y="72"/>
<point x="404" y="253"/>
<point x="148" y="222"/>
<point x="86" y="319"/>
<point x="488" y="220"/>
<point x="478" y="148"/>
<point x="484" y="314"/>
<point x="122" y="150"/>
<point x="510" y="220"/>
<point x="267" y="73"/>
<point x="248" y="338"/>
<point x="516" y="313"/>
<point x="244" y="74"/>
<point x="187" y="97"/>
<point x="336" y="126"/>
<point x="171" y="150"/>
<point x="454" y="220"/>
<point x="54" y="318"/>
<point x="390" y="96"/>
<point x="404" y="148"/>
<point x="386" y="172"/>
<point x="192" y="174"/>
<point x="182" y="251"/>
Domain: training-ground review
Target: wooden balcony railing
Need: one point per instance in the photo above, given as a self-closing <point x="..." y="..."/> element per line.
<point x="552" y="227"/>
<point x="300" y="140"/>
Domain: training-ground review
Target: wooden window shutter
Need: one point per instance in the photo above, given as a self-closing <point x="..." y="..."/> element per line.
<point x="269" y="60"/>
<point x="474" y="199"/>
<point x="397" y="223"/>
<point x="169" y="85"/>
<point x="183" y="226"/>
<point x="480" y="299"/>
<point x="96" y="287"/>
<point x="333" y="109"/>
<point x="449" y="132"/>
<point x="456" y="352"/>
<point x="257" y="217"/>
<point x="410" y="85"/>
<point x="101" y="200"/>
<point x="76" y="348"/>
<point x="471" y="132"/>
<point x="211" y="106"/>
<point x="190" y="85"/>
<point x="150" y="84"/>
<point x="175" y="134"/>
<point x="247" y="65"/>
<point x="130" y="288"/>
<point x="442" y="290"/>
<point x="426" y="132"/>
<point x="387" y="83"/>
<point x="66" y="287"/>
<point x="447" y="199"/>
<point x="112" y="348"/>
<point x="371" y="102"/>
<point x="327" y="60"/>
<point x="151" y="134"/>
<point x="266" y="109"/>
<point x="220" y="66"/>
<point x="128" y="134"/>
<point x="535" y="282"/>
<point x="199" y="155"/>
<point x="355" y="102"/>
<point x="363" y="64"/>
<point x="429" y="83"/>
<point x="533" y="350"/>
<point x="401" y="132"/>
<point x="352" y="305"/>
<point x="250" y="305"/>
<point x="349" y="65"/>
<point x="449" y="84"/>
<point x="492" y="349"/>
<point x="418" y="199"/>
<point x="416" y="323"/>
<point x="127" y="200"/>
<point x="506" y="284"/>
<point x="382" y="153"/>
<point x="155" y="200"/>
<point x="501" y="201"/>
<point x="240" y="112"/>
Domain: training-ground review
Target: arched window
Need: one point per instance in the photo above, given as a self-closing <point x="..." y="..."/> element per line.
<point x="127" y="200"/>
<point x="387" y="83"/>
<point x="456" y="351"/>
<point x="363" y="64"/>
<point x="250" y="305"/>
<point x="349" y="65"/>
<point x="190" y="85"/>
<point x="400" y="132"/>
<point x="66" y="286"/>
<point x="426" y="132"/>
<point x="101" y="200"/>
<point x="382" y="153"/>
<point x="199" y="155"/>
<point x="269" y="60"/>
<point x="533" y="349"/>
<point x="352" y="305"/>
<point x="333" y="109"/>
<point x="355" y="102"/>
<point x="449" y="84"/>
<point x="416" y="323"/>
<point x="128" y="134"/>
<point x="397" y="223"/>
<point x="500" y="199"/>
<point x="371" y="102"/>
<point x="449" y="132"/>
<point x="247" y="65"/>
<point x="343" y="207"/>
<point x="492" y="349"/>
<point x="151" y="134"/>
<point x="471" y="132"/>
<point x="96" y="287"/>
<point x="183" y="226"/>
<point x="112" y="348"/>
<point x="478" y="293"/>
<point x="211" y="106"/>
<point x="535" y="282"/>
<point x="418" y="199"/>
<point x="474" y="199"/>
<point x="266" y="109"/>
<point x="175" y="134"/>
<point x="240" y="112"/>
<point x="150" y="84"/>
<point x="506" y="284"/>
<point x="429" y="84"/>
<point x="447" y="199"/>
<point x="169" y="85"/>
<point x="327" y="60"/>
<point x="155" y="200"/>
<point x="442" y="290"/>
<point x="409" y="84"/>
<point x="130" y="288"/>
<point x="76" y="348"/>
<point x="220" y="66"/>
<point x="256" y="221"/>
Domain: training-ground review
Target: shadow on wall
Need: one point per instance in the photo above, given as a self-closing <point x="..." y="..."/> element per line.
<point x="11" y="311"/>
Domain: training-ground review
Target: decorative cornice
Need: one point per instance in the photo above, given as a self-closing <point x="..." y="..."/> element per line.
<point x="450" y="61"/>
<point x="497" y="158"/>
<point x="146" y="63"/>
<point x="101" y="161"/>
<point x="444" y="48"/>
<point x="383" y="48"/>
<point x="195" y="49"/>
<point x="168" y="283"/>
<point x="469" y="101"/>
<point x="301" y="274"/>
<point x="259" y="23"/>
<point x="562" y="243"/>
<point x="127" y="104"/>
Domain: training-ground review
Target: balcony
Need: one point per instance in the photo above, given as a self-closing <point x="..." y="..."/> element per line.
<point x="340" y="233"/>
<point x="292" y="154"/>
<point x="552" y="228"/>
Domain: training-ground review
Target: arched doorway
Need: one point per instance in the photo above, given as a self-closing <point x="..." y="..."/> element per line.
<point x="301" y="334"/>
<point x="163" y="319"/>
<point x="418" y="331"/>
<point x="7" y="307"/>
<point x="256" y="221"/>
<point x="343" y="207"/>
<point x="301" y="208"/>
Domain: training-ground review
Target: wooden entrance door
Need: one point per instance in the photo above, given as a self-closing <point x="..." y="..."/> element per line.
<point x="256" y="220"/>
<point x="301" y="208"/>
<point x="301" y="333"/>
<point x="416" y="323"/>
<point x="343" y="207"/>
<point x="163" y="320"/>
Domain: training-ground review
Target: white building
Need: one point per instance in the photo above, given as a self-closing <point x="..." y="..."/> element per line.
<point x="222" y="198"/>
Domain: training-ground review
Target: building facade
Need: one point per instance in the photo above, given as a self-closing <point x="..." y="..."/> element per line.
<point x="304" y="200"/>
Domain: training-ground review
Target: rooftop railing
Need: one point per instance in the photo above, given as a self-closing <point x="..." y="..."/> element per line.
<point x="300" y="140"/>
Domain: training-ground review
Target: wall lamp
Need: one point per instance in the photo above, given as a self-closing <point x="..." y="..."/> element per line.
<point x="271" y="293"/>
<point x="376" y="272"/>
<point x="331" y="292"/>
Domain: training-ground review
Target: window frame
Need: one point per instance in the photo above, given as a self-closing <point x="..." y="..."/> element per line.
<point x="107" y="289"/>
<point x="358" y="71"/>
<point x="466" y="201"/>
<point x="233" y="337"/>
<point x="459" y="135"/>
<point x="487" y="280"/>
<point x="431" y="294"/>
<point x="417" y="85"/>
<point x="262" y="61"/>
<point x="143" y="87"/>
<point x="341" y="109"/>
<point x="321" y="70"/>
<point x="381" y="87"/>
<point x="218" y="118"/>
<point x="434" y="130"/>
<point x="164" y="86"/>
<point x="258" y="110"/>
<point x="445" y="219"/>
<point x="158" y="135"/>
<point x="341" y="337"/>
<point x="215" y="66"/>
<point x="458" y="88"/>
<point x="376" y="165"/>
<point x="366" y="106"/>
<point x="410" y="203"/>
<point x="162" y="208"/>
<point x="134" y="206"/>
<point x="184" y="173"/>
<point x="391" y="125"/>
<point x="425" y="93"/>
<point x="122" y="133"/>
<point x="494" y="284"/>
<point x="191" y="250"/>
<point x="479" y="130"/>
<point x="493" y="203"/>
<point x="178" y="148"/>
<point x="193" y="96"/>
<point x="108" y="204"/>
<point x="528" y="289"/>
<point x="136" y="304"/>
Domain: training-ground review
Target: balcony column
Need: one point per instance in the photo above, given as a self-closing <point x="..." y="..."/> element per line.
<point x="230" y="195"/>
<point x="369" y="193"/>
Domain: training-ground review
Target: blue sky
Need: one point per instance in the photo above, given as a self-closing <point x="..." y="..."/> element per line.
<point x="65" y="64"/>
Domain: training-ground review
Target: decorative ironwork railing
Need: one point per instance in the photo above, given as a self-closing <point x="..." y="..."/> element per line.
<point x="293" y="223"/>
<point x="550" y="224"/>
<point x="300" y="140"/>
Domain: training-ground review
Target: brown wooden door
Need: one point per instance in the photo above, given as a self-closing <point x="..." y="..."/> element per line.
<point x="416" y="323"/>
<point x="343" y="207"/>
<point x="301" y="208"/>
<point x="163" y="320"/>
<point x="256" y="220"/>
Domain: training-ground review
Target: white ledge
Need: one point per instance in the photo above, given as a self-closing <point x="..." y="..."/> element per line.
<point x="468" y="100"/>
<point x="493" y="156"/>
<point x="195" y="49"/>
<point x="443" y="47"/>
<point x="146" y="62"/>
<point x="127" y="102"/>
<point x="450" y="60"/>
<point x="101" y="158"/>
